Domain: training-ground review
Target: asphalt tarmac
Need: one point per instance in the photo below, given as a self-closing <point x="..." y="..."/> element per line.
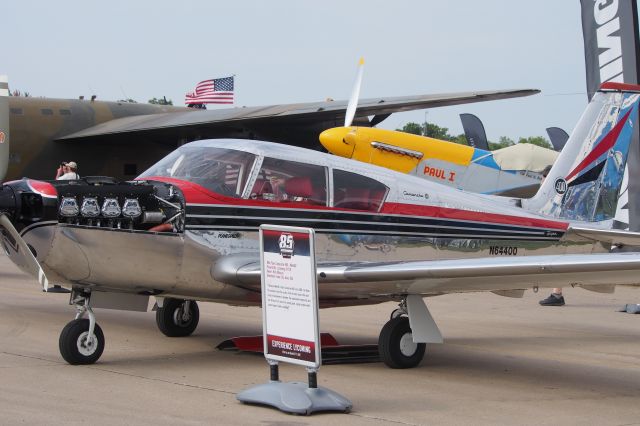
<point x="504" y="361"/>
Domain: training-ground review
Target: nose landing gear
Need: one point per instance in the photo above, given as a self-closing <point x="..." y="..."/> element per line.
<point x="81" y="340"/>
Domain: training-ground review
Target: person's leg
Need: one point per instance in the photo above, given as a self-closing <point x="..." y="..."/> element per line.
<point x="555" y="299"/>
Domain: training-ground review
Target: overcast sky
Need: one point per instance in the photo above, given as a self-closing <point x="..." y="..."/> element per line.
<point x="299" y="51"/>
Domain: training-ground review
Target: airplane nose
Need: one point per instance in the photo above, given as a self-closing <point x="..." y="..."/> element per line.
<point x="335" y="140"/>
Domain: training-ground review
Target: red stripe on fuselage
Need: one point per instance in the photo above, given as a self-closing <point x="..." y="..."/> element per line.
<point x="458" y="214"/>
<point x="196" y="194"/>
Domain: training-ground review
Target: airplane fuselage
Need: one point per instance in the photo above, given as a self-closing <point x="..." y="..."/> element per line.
<point x="36" y="123"/>
<point x="451" y="164"/>
<point x="216" y="235"/>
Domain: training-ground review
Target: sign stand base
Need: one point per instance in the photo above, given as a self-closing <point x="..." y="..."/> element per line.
<point x="295" y="397"/>
<point x="290" y="329"/>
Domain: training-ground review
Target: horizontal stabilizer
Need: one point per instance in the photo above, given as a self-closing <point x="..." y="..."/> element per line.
<point x="615" y="237"/>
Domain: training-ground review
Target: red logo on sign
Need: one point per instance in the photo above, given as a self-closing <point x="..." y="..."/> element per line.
<point x="1" y="137"/>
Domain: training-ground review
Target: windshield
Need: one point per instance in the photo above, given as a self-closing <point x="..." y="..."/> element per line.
<point x="220" y="170"/>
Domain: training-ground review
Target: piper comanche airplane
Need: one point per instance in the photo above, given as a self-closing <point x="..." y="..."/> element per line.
<point x="187" y="230"/>
<point x="507" y="171"/>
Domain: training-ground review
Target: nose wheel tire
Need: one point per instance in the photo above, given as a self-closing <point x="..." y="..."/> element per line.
<point x="396" y="346"/>
<point x="178" y="318"/>
<point x="77" y="347"/>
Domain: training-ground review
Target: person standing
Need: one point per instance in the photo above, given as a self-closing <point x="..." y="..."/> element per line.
<point x="556" y="298"/>
<point x="68" y="171"/>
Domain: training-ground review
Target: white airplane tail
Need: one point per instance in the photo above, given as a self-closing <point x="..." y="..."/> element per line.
<point x="584" y="183"/>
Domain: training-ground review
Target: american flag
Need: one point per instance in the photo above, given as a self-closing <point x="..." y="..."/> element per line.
<point x="215" y="91"/>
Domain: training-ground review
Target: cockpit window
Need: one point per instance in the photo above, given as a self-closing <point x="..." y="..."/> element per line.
<point x="290" y="181"/>
<point x="220" y="170"/>
<point x="354" y="191"/>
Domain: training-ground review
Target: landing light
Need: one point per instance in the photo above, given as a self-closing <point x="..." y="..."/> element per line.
<point x="90" y="207"/>
<point x="69" y="207"/>
<point x="131" y="208"/>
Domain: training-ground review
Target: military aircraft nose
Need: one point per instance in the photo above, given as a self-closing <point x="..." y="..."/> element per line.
<point x="337" y="142"/>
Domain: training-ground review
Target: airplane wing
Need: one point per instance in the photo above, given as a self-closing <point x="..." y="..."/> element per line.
<point x="347" y="280"/>
<point x="196" y="124"/>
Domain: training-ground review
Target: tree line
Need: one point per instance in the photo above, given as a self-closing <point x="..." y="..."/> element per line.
<point x="155" y="101"/>
<point x="442" y="133"/>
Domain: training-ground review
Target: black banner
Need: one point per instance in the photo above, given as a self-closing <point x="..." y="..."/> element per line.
<point x="610" y="29"/>
<point x="474" y="131"/>
<point x="558" y="137"/>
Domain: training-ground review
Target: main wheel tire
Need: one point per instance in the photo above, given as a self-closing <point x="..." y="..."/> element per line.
<point x="170" y="318"/>
<point x="396" y="345"/>
<point x="74" y="346"/>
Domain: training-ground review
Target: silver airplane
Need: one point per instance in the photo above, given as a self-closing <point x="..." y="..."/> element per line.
<point x="186" y="230"/>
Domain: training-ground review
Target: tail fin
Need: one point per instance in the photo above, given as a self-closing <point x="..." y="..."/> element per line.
<point x="585" y="180"/>
<point x="4" y="126"/>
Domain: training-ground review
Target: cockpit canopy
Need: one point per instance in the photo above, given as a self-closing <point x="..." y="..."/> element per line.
<point x="243" y="174"/>
<point x="220" y="170"/>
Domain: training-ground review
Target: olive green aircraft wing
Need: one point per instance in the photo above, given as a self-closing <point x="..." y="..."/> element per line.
<point x="198" y="124"/>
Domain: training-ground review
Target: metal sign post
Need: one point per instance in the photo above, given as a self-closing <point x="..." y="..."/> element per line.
<point x="290" y="326"/>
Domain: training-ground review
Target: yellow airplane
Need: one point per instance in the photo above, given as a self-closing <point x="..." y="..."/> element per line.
<point x="460" y="166"/>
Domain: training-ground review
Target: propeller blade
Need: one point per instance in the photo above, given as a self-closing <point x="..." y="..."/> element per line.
<point x="4" y="126"/>
<point x="355" y="94"/>
<point x="28" y="261"/>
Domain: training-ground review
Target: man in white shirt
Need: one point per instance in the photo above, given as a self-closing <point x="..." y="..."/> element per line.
<point x="67" y="171"/>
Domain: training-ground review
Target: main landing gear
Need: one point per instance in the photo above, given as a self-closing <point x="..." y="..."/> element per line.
<point x="177" y="317"/>
<point x="81" y="340"/>
<point x="396" y="346"/>
<point x="403" y="338"/>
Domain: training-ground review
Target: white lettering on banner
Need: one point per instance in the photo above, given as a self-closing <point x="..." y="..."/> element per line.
<point x="291" y="346"/>
<point x="610" y="61"/>
<point x="609" y="42"/>
<point x="605" y="10"/>
<point x="282" y="345"/>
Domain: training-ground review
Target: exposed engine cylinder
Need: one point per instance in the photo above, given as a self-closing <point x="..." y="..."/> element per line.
<point x="135" y="205"/>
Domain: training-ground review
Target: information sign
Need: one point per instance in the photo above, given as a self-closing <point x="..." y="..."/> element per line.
<point x="289" y="295"/>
